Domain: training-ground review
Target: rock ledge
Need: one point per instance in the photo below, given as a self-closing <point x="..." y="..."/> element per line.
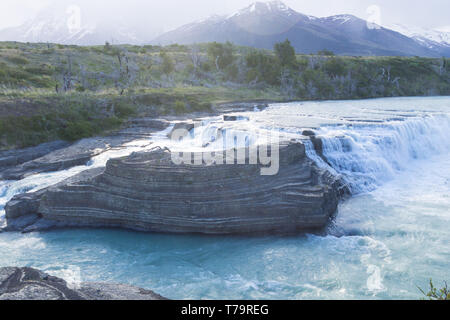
<point x="32" y="284"/>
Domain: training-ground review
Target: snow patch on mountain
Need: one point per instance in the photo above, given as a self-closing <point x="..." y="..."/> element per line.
<point x="261" y="7"/>
<point x="429" y="37"/>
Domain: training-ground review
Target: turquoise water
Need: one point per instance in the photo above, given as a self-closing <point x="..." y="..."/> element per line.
<point x="391" y="237"/>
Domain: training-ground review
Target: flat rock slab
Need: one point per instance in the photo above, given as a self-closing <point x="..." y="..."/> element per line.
<point x="11" y="158"/>
<point x="55" y="156"/>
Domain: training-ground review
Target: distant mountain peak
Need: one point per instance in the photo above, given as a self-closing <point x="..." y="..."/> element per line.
<point x="262" y="24"/>
<point x="264" y="7"/>
<point x="53" y="24"/>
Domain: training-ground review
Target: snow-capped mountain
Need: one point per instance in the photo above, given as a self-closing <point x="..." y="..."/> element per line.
<point x="64" y="24"/>
<point x="260" y="25"/>
<point x="434" y="39"/>
<point x="263" y="24"/>
<point x="435" y="35"/>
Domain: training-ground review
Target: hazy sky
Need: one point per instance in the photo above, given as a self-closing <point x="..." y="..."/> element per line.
<point x="168" y="14"/>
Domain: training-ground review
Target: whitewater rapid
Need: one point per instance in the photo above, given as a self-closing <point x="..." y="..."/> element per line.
<point x="370" y="155"/>
<point x="389" y="238"/>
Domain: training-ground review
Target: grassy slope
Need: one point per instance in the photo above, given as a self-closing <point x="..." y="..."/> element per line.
<point x="104" y="95"/>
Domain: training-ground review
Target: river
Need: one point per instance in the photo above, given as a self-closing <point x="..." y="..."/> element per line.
<point x="389" y="238"/>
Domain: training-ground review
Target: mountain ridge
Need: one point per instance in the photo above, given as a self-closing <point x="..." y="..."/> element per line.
<point x="262" y="24"/>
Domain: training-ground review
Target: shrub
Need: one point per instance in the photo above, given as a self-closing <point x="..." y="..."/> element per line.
<point x="335" y="67"/>
<point x="262" y="67"/>
<point x="123" y="110"/>
<point x="41" y="70"/>
<point x="77" y="130"/>
<point x="18" y="60"/>
<point x="222" y="53"/>
<point x="325" y="52"/>
<point x="168" y="65"/>
<point x="80" y="88"/>
<point x="179" y="107"/>
<point x="48" y="51"/>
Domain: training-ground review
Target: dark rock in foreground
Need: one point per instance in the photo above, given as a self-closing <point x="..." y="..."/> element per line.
<point x="148" y="192"/>
<point x="32" y="284"/>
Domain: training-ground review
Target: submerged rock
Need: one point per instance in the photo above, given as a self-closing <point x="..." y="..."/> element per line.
<point x="235" y="118"/>
<point x="32" y="284"/>
<point x="308" y="133"/>
<point x="146" y="191"/>
<point x="187" y="126"/>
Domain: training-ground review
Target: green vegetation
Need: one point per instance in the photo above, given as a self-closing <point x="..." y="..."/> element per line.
<point x="285" y="54"/>
<point x="435" y="293"/>
<point x="52" y="91"/>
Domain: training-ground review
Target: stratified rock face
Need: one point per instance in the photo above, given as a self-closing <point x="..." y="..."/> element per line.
<point x="148" y="192"/>
<point x="32" y="284"/>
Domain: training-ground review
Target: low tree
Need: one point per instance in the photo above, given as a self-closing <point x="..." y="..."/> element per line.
<point x="285" y="53"/>
<point x="325" y="52"/>
<point x="168" y="65"/>
<point x="262" y="67"/>
<point x="195" y="58"/>
<point x="222" y="55"/>
<point x="335" y="67"/>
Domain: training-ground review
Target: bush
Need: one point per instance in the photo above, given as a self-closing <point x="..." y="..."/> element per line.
<point x="41" y="70"/>
<point x="325" y="52"/>
<point x="335" y="67"/>
<point x="168" y="65"/>
<point x="77" y="130"/>
<point x="18" y="60"/>
<point x="48" y="51"/>
<point x="123" y="110"/>
<point x="80" y="88"/>
<point x="262" y="67"/>
<point x="222" y="53"/>
<point x="179" y="107"/>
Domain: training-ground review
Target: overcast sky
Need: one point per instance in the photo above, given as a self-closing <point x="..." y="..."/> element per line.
<point x="168" y="14"/>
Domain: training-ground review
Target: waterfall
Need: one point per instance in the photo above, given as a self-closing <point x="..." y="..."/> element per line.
<point x="367" y="155"/>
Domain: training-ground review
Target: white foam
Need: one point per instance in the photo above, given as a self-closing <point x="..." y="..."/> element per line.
<point x="372" y="154"/>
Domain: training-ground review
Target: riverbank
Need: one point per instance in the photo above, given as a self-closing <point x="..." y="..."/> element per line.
<point x="32" y="118"/>
<point x="54" y="92"/>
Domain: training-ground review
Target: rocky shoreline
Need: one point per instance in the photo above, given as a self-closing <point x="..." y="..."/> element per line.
<point x="31" y="284"/>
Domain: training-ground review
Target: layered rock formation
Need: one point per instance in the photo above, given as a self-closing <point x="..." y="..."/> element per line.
<point x="32" y="284"/>
<point x="148" y="192"/>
